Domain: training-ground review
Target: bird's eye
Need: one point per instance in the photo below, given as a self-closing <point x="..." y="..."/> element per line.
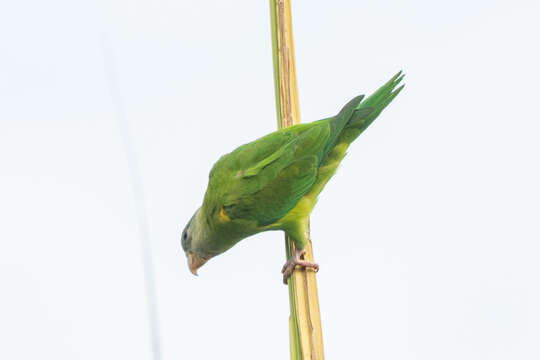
<point x="184" y="236"/>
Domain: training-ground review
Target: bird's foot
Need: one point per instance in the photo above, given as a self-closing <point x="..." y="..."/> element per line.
<point x="294" y="260"/>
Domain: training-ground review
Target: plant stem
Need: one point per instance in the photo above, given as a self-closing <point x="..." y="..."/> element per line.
<point x="305" y="319"/>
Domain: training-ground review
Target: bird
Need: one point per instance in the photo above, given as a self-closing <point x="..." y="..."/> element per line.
<point x="273" y="183"/>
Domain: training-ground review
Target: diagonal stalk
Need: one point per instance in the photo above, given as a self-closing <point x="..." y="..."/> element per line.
<point x="305" y="319"/>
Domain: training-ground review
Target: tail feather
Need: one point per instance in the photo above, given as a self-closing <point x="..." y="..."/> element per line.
<point x="368" y="110"/>
<point x="354" y="118"/>
<point x="358" y="114"/>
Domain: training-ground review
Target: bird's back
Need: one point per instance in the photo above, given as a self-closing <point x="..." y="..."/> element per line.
<point x="345" y="127"/>
<point x="277" y="178"/>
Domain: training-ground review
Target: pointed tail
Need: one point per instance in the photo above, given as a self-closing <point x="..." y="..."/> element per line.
<point x="368" y="110"/>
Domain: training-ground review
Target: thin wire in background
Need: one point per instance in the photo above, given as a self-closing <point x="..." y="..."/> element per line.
<point x="138" y="195"/>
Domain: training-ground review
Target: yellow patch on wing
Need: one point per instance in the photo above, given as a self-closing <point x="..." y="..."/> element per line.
<point x="222" y="216"/>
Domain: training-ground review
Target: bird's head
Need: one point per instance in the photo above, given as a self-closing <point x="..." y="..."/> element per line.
<point x="191" y="238"/>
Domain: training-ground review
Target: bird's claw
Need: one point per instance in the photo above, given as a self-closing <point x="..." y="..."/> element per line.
<point x="294" y="260"/>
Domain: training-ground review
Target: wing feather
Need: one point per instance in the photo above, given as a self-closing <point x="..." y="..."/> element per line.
<point x="263" y="180"/>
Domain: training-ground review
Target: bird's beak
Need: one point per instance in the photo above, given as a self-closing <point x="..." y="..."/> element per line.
<point x="195" y="262"/>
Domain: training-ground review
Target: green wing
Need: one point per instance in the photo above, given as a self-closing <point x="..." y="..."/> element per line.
<point x="279" y="196"/>
<point x="263" y="180"/>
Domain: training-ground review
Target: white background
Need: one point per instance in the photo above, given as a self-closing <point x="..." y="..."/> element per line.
<point x="428" y="236"/>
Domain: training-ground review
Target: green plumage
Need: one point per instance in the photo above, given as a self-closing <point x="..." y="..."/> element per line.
<point x="272" y="183"/>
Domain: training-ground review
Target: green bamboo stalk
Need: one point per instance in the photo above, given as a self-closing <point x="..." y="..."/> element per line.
<point x="304" y="323"/>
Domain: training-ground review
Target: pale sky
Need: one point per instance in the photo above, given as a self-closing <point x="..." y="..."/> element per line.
<point x="428" y="236"/>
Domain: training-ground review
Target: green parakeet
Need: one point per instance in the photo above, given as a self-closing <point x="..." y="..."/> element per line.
<point x="273" y="182"/>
